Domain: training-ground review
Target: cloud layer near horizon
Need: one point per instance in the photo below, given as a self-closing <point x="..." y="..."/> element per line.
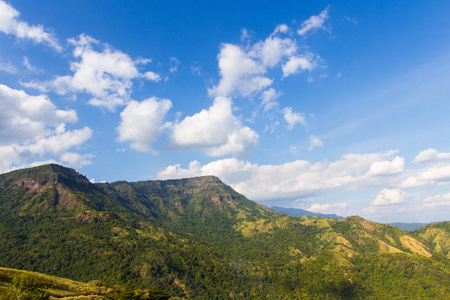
<point x="301" y="179"/>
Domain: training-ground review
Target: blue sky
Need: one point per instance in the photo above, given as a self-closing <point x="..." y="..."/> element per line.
<point x="328" y="106"/>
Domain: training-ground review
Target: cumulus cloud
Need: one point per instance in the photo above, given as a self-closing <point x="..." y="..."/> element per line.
<point x="270" y="51"/>
<point x="106" y="74"/>
<point x="295" y="64"/>
<point x="152" y="76"/>
<point x="293" y="118"/>
<point x="32" y="127"/>
<point x="431" y="155"/>
<point x="314" y="142"/>
<point x="390" y="197"/>
<point x="387" y="167"/>
<point x="314" y="23"/>
<point x="24" y="117"/>
<point x="291" y="180"/>
<point x="141" y="122"/>
<point x="216" y="131"/>
<point x="243" y="69"/>
<point x="10" y="24"/>
<point x="239" y="72"/>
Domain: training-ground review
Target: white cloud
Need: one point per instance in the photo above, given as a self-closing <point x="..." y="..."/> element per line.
<point x="8" y="68"/>
<point x="239" y="72"/>
<point x="60" y="141"/>
<point x="390" y="197"/>
<point x="283" y="28"/>
<point x="271" y="127"/>
<point x="10" y="25"/>
<point x="24" y="117"/>
<point x="351" y="20"/>
<point x="216" y="131"/>
<point x="431" y="155"/>
<point x="328" y="208"/>
<point x="291" y="180"/>
<point x="314" y="142"/>
<point x="387" y="167"/>
<point x="268" y="99"/>
<point x="106" y="75"/>
<point x="438" y="200"/>
<point x="32" y="126"/>
<point x="437" y="174"/>
<point x="270" y="51"/>
<point x="141" y="122"/>
<point x="174" y="63"/>
<point x="27" y="64"/>
<point x="243" y="68"/>
<point x="293" y="118"/>
<point x="294" y="150"/>
<point x="296" y="64"/>
<point x="76" y="160"/>
<point x="314" y="23"/>
<point x="152" y="76"/>
<point x="230" y="170"/>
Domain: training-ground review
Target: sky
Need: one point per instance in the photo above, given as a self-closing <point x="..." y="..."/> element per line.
<point x="329" y="106"/>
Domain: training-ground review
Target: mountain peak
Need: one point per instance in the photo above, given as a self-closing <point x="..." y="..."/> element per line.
<point x="45" y="188"/>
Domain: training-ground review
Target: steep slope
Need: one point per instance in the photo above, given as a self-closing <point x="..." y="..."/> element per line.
<point x="202" y="206"/>
<point x="51" y="189"/>
<point x="437" y="237"/>
<point x="198" y="238"/>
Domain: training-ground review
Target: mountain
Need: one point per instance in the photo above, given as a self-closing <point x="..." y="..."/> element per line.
<point x="197" y="238"/>
<point x="301" y="212"/>
<point x="409" y="226"/>
<point x="437" y="237"/>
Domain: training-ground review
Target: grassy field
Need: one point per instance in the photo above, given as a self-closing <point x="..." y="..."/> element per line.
<point x="58" y="288"/>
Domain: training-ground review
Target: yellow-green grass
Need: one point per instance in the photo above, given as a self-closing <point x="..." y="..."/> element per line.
<point x="57" y="287"/>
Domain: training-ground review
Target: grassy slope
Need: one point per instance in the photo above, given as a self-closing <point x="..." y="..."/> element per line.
<point x="57" y="287"/>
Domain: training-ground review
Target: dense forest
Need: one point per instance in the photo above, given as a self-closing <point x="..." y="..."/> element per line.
<point x="199" y="239"/>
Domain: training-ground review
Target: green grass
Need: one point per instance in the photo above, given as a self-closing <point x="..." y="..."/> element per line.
<point x="56" y="286"/>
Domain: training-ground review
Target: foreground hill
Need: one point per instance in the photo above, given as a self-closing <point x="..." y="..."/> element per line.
<point x="56" y="287"/>
<point x="198" y="238"/>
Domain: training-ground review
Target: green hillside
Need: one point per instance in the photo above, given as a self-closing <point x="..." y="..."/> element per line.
<point x="197" y="238"/>
<point x="56" y="287"/>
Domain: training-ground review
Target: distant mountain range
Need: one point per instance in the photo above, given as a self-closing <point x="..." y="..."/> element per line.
<point x="302" y="212"/>
<point x="197" y="238"/>
<point x="410" y="226"/>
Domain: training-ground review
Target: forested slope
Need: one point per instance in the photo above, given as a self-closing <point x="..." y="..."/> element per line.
<point x="198" y="238"/>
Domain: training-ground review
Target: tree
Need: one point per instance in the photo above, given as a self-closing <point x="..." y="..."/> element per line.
<point x="24" y="287"/>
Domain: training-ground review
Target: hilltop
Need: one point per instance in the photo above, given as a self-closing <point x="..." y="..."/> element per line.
<point x="198" y="238"/>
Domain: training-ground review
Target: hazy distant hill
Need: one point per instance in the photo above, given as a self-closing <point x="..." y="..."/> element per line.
<point x="409" y="226"/>
<point x="302" y="212"/>
<point x="197" y="238"/>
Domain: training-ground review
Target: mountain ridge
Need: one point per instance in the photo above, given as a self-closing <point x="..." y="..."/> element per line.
<point x="185" y="236"/>
<point x="301" y="212"/>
